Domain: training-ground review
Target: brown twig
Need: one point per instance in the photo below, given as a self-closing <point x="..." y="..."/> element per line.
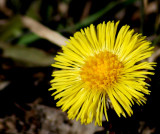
<point x="86" y="9"/>
<point x="155" y="55"/>
<point x="4" y="8"/>
<point x="43" y="31"/>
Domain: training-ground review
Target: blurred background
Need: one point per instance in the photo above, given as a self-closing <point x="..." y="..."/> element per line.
<point x="31" y="33"/>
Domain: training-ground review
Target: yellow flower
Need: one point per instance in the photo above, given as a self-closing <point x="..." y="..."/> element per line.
<point x="101" y="68"/>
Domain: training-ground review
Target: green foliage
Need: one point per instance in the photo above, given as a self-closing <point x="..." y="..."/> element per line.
<point x="90" y="19"/>
<point x="49" y="14"/>
<point x="33" y="10"/>
<point x="29" y="57"/>
<point x="12" y="29"/>
<point x="28" y="38"/>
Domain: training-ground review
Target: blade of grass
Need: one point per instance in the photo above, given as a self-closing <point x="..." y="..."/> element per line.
<point x="28" y="38"/>
<point x="97" y="15"/>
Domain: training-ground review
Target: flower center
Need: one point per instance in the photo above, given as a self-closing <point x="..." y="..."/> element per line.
<point x="101" y="70"/>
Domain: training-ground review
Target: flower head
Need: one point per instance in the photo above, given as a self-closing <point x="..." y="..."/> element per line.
<point x="102" y="68"/>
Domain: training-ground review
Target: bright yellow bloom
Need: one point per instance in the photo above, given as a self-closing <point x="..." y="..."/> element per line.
<point x="101" y="68"/>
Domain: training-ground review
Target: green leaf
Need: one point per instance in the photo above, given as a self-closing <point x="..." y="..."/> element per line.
<point x="11" y="29"/>
<point x="30" y="57"/>
<point x="28" y="38"/>
<point x="33" y="10"/>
